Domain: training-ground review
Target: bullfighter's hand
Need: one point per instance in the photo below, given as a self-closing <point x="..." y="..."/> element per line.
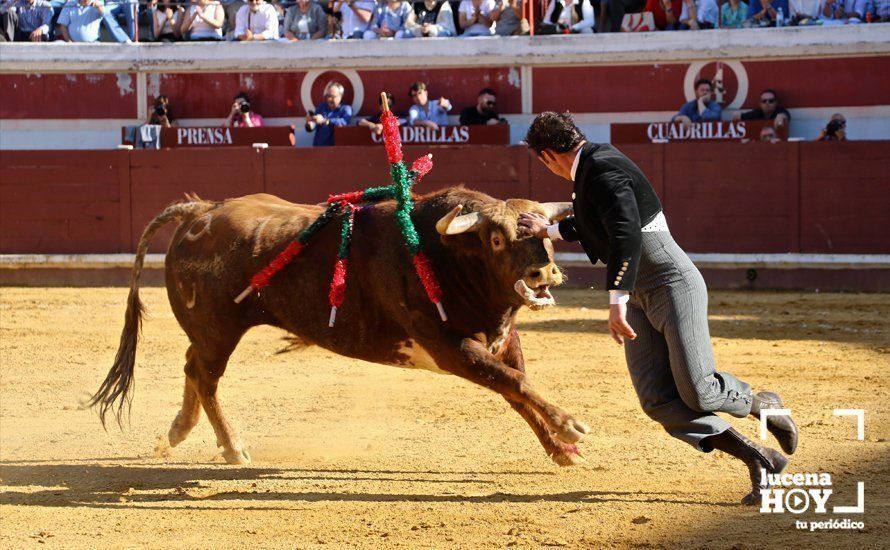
<point x="534" y="224"/>
<point x="618" y="326"/>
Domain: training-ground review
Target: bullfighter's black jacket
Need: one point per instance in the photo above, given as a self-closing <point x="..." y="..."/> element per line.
<point x="612" y="201"/>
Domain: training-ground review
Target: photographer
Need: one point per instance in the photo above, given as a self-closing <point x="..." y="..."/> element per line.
<point x="835" y="130"/>
<point x="327" y="115"/>
<point x="161" y="115"/>
<point x="241" y="115"/>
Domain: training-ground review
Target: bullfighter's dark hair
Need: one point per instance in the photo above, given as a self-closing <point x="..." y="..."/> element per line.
<point x="701" y="81"/>
<point x="486" y="91"/>
<point x="554" y="131"/>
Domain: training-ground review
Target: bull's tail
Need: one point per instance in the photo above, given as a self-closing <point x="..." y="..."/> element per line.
<point x="117" y="387"/>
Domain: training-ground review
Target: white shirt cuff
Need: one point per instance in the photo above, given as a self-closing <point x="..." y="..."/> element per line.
<point x="618" y="297"/>
<point x="553" y="232"/>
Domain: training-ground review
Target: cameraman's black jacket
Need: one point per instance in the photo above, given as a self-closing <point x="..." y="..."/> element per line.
<point x="612" y="201"/>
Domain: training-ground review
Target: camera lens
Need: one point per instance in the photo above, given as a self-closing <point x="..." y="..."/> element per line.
<point x="245" y="107"/>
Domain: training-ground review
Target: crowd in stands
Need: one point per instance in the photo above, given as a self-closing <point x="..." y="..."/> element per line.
<point x="297" y="20"/>
<point x="332" y="112"/>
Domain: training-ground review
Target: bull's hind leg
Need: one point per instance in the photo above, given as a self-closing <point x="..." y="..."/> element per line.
<point x="564" y="454"/>
<point x="209" y="367"/>
<point x="190" y="412"/>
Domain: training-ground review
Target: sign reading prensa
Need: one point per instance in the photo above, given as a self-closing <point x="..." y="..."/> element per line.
<point x="496" y="134"/>
<point x="190" y="137"/>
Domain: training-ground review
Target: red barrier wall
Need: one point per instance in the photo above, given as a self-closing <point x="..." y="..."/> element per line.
<point x="718" y="197"/>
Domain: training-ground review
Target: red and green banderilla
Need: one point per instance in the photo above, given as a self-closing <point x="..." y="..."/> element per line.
<point x="400" y="190"/>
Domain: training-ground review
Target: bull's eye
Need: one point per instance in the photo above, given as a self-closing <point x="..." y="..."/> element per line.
<point x="497" y="242"/>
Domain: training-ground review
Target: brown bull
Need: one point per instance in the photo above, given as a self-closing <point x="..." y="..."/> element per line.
<point x="486" y="269"/>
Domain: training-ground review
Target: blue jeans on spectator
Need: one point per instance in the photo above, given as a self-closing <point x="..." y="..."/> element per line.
<point x="113" y="12"/>
<point x="57" y="6"/>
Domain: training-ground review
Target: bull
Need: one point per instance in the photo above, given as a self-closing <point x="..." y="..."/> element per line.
<point x="486" y="268"/>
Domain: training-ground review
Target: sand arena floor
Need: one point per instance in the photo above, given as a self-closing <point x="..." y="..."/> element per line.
<point x="354" y="454"/>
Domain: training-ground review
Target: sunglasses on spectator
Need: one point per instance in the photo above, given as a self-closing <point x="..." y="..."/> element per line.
<point x="767" y="100"/>
<point x="490" y="103"/>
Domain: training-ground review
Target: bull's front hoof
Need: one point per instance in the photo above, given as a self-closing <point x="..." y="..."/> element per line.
<point x="237" y="457"/>
<point x="568" y="456"/>
<point x="572" y="431"/>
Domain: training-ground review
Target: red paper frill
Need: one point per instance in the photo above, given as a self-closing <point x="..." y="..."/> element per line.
<point x="261" y="279"/>
<point x="391" y="138"/>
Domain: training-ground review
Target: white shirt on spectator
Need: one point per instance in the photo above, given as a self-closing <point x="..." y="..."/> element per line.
<point x="351" y="22"/>
<point x="806" y="8"/>
<point x="264" y="21"/>
<point x="707" y="11"/>
<point x="466" y="7"/>
<point x="201" y="28"/>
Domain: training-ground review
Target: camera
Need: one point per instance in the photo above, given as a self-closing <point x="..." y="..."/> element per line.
<point x="160" y="110"/>
<point x="833" y="127"/>
<point x="245" y="107"/>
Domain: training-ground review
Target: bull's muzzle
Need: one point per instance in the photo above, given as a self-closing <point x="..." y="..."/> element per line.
<point x="534" y="286"/>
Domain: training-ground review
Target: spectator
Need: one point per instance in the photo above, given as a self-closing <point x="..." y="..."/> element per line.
<point x="204" y="21"/>
<point x="8" y="20"/>
<point x="161" y="115"/>
<point x="762" y="13"/>
<point x="698" y="14"/>
<point x="805" y="12"/>
<point x="702" y="108"/>
<point x="426" y="112"/>
<point x="733" y="14"/>
<point x="79" y="21"/>
<point x="329" y="114"/>
<point x="615" y="10"/>
<point x="305" y="21"/>
<point x="850" y="11"/>
<point x="256" y="21"/>
<point x="664" y="12"/>
<point x="115" y="10"/>
<point x="34" y="18"/>
<point x="557" y="17"/>
<point x="769" y="110"/>
<point x="768" y="135"/>
<point x="167" y="22"/>
<point x="507" y="14"/>
<point x="356" y="17"/>
<point x="242" y="114"/>
<point x="879" y="10"/>
<point x="483" y="112"/>
<point x="475" y="17"/>
<point x="372" y="123"/>
<point x="391" y="21"/>
<point x="434" y="18"/>
<point x="835" y="130"/>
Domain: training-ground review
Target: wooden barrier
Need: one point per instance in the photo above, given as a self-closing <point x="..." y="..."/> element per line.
<point x="718" y="197"/>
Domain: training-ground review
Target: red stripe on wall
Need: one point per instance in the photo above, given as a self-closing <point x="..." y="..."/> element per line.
<point x="853" y="81"/>
<point x="69" y="96"/>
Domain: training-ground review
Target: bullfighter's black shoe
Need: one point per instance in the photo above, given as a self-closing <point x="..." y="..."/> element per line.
<point x="755" y="457"/>
<point x="781" y="426"/>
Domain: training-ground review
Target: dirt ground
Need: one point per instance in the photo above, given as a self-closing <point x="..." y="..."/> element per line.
<point x="354" y="454"/>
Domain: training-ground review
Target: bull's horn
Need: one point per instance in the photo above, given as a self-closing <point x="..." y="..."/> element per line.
<point x="557" y="211"/>
<point x="454" y="224"/>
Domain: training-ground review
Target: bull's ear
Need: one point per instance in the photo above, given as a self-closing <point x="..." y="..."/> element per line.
<point x="557" y="211"/>
<point x="454" y="224"/>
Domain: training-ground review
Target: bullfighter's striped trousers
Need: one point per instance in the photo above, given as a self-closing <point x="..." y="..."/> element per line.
<point x="671" y="361"/>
